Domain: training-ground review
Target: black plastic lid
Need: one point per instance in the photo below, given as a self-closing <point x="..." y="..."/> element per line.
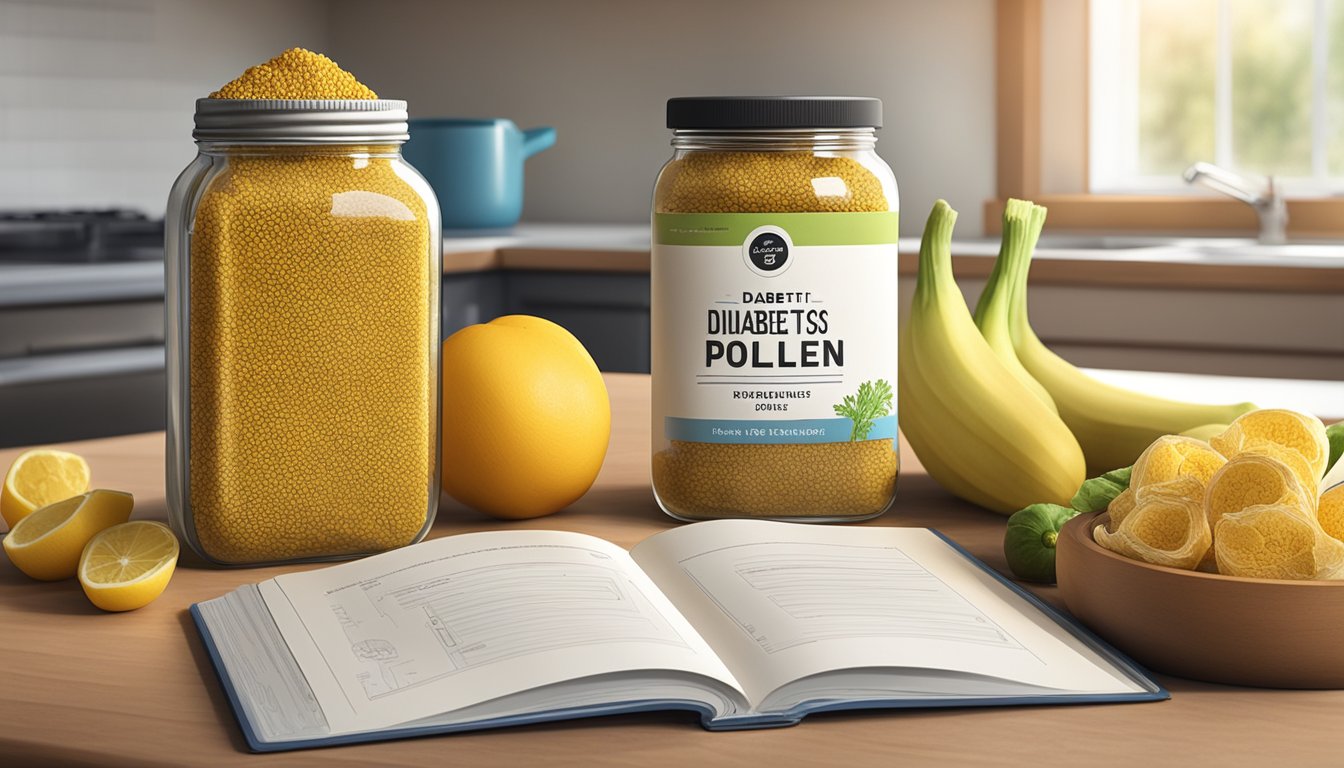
<point x="773" y="112"/>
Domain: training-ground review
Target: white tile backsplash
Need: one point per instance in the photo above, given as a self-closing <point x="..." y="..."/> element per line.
<point x="96" y="96"/>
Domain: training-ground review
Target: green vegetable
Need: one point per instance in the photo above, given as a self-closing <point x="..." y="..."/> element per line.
<point x="1335" y="433"/>
<point x="1029" y="542"/>
<point x="1095" y="495"/>
<point x="872" y="402"/>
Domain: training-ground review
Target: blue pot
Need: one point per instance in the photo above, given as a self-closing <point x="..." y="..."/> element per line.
<point x="475" y="167"/>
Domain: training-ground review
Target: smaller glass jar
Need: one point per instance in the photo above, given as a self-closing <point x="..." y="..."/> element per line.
<point x="303" y="274"/>
<point x="774" y="311"/>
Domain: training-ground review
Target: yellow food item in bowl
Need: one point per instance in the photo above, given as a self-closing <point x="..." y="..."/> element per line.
<point x="1290" y="429"/>
<point x="1174" y="456"/>
<point x="1183" y="487"/>
<point x="1159" y="518"/>
<point x="1262" y="514"/>
<point x="1253" y="479"/>
<point x="1330" y="511"/>
<point x="1119" y="507"/>
<point x="1294" y="461"/>
<point x="1274" y="541"/>
<point x="1164" y="529"/>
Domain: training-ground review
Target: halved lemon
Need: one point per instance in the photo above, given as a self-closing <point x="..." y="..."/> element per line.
<point x="126" y="566"/>
<point x="40" y="477"/>
<point x="48" y="543"/>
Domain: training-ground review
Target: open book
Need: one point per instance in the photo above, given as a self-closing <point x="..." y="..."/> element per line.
<point x="749" y="623"/>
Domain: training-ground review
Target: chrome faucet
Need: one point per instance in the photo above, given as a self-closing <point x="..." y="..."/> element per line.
<point x="1266" y="199"/>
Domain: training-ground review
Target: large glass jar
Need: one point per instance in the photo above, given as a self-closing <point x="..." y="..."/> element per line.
<point x="774" y="311"/>
<point x="303" y="274"/>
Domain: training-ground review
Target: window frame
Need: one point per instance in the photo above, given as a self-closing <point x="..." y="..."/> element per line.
<point x="1019" y="152"/>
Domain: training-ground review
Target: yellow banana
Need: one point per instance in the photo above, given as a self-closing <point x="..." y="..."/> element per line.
<point x="1112" y="424"/>
<point x="978" y="430"/>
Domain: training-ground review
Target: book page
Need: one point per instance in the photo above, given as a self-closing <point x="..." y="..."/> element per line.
<point x="460" y="620"/>
<point x="781" y="601"/>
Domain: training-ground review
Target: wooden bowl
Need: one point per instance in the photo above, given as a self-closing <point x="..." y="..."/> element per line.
<point x="1222" y="629"/>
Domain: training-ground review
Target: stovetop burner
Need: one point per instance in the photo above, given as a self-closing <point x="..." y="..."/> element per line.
<point x="79" y="236"/>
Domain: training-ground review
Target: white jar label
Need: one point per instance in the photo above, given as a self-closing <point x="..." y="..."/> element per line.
<point x="774" y="328"/>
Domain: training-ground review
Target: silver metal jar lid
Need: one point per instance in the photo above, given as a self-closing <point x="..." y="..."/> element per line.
<point x="301" y="121"/>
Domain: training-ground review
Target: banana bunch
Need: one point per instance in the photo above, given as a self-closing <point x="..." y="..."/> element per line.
<point x="978" y="428"/>
<point x="1113" y="425"/>
<point x="995" y="416"/>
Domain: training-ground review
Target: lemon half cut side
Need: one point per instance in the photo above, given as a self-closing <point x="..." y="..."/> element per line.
<point x="48" y="543"/>
<point x="127" y="566"/>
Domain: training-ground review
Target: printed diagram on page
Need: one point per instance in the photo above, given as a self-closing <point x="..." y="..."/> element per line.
<point x="489" y="614"/>
<point x="786" y="598"/>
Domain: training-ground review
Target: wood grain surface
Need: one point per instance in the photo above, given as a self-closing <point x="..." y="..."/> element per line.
<point x="83" y="687"/>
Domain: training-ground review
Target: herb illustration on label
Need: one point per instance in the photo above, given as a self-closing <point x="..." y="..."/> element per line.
<point x="872" y="401"/>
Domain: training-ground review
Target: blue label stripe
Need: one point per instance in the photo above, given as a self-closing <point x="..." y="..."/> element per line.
<point x="771" y="431"/>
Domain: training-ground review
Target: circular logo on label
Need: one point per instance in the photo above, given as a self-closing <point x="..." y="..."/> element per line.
<point x="767" y="251"/>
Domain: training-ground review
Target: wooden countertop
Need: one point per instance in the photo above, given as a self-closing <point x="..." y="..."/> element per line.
<point x="625" y="248"/>
<point x="83" y="687"/>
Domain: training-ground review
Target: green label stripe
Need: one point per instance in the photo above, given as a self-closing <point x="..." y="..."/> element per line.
<point x="876" y="228"/>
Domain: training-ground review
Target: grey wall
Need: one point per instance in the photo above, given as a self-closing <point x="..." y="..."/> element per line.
<point x="600" y="72"/>
<point x="96" y="96"/>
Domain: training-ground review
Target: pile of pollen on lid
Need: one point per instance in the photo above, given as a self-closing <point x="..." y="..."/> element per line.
<point x="296" y="74"/>
<point x="835" y="480"/>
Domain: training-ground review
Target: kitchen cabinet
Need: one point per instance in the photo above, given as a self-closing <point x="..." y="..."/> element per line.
<point x="81" y="347"/>
<point x="80" y="395"/>
<point x="608" y="313"/>
<point x="469" y="298"/>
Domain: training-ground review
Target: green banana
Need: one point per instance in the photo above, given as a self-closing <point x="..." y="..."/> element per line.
<point x="1113" y="425"/>
<point x="978" y="430"/>
<point x="992" y="311"/>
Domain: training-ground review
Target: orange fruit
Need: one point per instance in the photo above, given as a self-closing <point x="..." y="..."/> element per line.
<point x="526" y="418"/>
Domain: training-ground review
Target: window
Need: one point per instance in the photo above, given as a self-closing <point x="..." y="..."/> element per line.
<point x="1252" y="85"/>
